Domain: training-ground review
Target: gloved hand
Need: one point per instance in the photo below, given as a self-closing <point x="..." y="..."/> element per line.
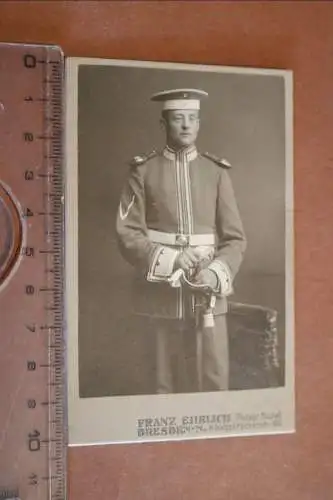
<point x="187" y="260"/>
<point x="206" y="277"/>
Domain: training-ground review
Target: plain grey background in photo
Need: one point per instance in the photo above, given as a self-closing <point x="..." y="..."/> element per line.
<point x="243" y="120"/>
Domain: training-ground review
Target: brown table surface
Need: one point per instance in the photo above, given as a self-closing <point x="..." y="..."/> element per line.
<point x="292" y="35"/>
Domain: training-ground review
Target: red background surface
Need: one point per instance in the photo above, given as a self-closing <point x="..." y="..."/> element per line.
<point x="295" y="36"/>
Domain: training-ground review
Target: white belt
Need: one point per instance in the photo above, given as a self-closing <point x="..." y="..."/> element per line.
<point x="182" y="240"/>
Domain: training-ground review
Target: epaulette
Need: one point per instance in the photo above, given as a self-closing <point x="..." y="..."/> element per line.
<point x="221" y="162"/>
<point x="137" y="161"/>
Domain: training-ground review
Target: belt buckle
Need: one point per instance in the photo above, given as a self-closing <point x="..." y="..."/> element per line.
<point x="182" y="240"/>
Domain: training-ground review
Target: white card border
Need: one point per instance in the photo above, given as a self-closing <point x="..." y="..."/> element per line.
<point x="98" y="421"/>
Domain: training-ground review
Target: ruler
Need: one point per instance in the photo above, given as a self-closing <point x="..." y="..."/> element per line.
<point x="32" y="356"/>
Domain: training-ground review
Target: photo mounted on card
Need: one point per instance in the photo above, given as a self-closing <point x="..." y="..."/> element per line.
<point x="179" y="251"/>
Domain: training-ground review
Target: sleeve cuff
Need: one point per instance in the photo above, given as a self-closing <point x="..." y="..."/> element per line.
<point x="224" y="277"/>
<point x="162" y="264"/>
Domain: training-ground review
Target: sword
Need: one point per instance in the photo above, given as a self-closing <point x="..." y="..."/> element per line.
<point x="204" y="319"/>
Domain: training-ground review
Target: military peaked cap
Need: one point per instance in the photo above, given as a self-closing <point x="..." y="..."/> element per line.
<point x="180" y="98"/>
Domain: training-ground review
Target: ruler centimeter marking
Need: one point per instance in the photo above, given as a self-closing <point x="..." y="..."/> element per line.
<point x="38" y="183"/>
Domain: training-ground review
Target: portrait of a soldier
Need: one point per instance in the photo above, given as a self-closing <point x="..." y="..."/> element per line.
<point x="179" y="226"/>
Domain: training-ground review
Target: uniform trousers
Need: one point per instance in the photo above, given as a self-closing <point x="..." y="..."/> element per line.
<point x="191" y="358"/>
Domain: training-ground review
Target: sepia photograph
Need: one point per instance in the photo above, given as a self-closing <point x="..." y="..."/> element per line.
<point x="179" y="251"/>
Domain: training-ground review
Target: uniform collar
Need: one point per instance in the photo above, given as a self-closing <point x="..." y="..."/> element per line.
<point x="190" y="152"/>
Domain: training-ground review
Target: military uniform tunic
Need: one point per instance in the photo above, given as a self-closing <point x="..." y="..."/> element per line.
<point x="171" y="200"/>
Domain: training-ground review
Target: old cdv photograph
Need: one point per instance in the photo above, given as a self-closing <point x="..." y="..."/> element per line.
<point x="179" y="251"/>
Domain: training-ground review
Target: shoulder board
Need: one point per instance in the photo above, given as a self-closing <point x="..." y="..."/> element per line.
<point x="221" y="162"/>
<point x="140" y="160"/>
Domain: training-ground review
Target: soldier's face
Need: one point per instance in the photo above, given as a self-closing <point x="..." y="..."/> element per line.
<point x="182" y="127"/>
